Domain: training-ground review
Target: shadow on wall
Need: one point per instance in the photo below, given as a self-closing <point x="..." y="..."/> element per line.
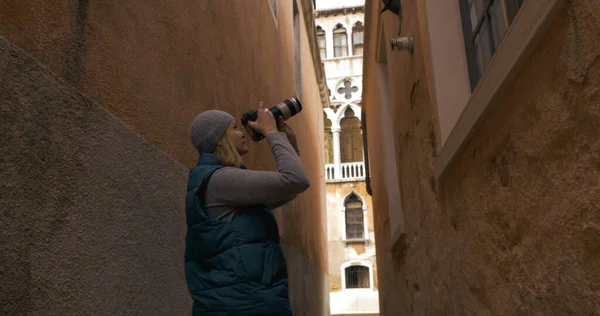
<point x="91" y="215"/>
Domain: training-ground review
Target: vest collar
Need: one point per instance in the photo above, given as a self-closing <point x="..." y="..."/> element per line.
<point x="210" y="159"/>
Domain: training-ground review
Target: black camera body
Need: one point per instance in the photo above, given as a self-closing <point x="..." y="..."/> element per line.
<point x="286" y="109"/>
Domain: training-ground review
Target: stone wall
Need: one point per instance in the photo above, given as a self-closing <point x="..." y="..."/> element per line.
<point x="513" y="227"/>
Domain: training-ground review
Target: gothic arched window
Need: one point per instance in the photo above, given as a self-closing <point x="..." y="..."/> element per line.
<point x="322" y="42"/>
<point x="350" y="138"/>
<point x="357" y="38"/>
<point x="355" y="220"/>
<point x="340" y="41"/>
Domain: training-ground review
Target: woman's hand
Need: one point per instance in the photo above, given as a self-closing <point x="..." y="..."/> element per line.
<point x="265" y="123"/>
<point x="289" y="132"/>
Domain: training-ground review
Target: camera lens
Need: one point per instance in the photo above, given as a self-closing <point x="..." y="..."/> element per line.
<point x="286" y="109"/>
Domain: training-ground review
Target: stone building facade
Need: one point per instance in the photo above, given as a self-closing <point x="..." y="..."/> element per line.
<point x="350" y="233"/>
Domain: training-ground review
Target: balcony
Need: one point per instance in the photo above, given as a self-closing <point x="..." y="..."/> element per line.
<point x="354" y="302"/>
<point x="345" y="172"/>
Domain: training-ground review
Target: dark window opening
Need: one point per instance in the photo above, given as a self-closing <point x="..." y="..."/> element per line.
<point x="357" y="277"/>
<point x="484" y="24"/>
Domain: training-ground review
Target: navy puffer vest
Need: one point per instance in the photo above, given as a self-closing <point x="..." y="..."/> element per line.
<point x="236" y="267"/>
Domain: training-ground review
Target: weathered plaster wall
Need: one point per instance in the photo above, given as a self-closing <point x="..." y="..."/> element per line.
<point x="410" y="114"/>
<point x="307" y="284"/>
<point x="303" y="220"/>
<point x="512" y="229"/>
<point x="536" y="165"/>
<point x="90" y="214"/>
<point x="155" y="66"/>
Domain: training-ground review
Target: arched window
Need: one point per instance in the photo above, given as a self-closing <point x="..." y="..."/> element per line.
<point x="328" y="140"/>
<point x="357" y="277"/>
<point x="322" y="42"/>
<point x="355" y="220"/>
<point x="357" y="38"/>
<point x="350" y="138"/>
<point x="340" y="41"/>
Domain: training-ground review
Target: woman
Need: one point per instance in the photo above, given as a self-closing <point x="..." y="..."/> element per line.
<point x="233" y="262"/>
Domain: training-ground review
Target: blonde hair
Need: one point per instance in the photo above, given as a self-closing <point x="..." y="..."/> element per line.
<point x="226" y="151"/>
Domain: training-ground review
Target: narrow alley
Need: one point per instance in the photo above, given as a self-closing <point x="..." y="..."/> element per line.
<point x="444" y="158"/>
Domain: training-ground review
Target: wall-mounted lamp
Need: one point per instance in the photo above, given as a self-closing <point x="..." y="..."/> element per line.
<point x="403" y="43"/>
<point x="398" y="43"/>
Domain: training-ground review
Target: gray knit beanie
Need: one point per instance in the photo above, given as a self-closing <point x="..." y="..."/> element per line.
<point x="208" y="128"/>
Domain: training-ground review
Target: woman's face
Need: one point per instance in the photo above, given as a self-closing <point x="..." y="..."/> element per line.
<point x="238" y="138"/>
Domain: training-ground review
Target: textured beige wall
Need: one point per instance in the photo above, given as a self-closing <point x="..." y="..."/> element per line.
<point x="91" y="220"/>
<point x="512" y="229"/>
<point x="303" y="221"/>
<point x="408" y="101"/>
<point x="153" y="67"/>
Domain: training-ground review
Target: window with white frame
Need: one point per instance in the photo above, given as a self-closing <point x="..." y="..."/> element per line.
<point x="322" y="42"/>
<point x="355" y="220"/>
<point x="357" y="38"/>
<point x="484" y="24"/>
<point x="357" y="277"/>
<point x="340" y="41"/>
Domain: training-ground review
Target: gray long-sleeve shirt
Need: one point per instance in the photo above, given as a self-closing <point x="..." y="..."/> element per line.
<point x="230" y="187"/>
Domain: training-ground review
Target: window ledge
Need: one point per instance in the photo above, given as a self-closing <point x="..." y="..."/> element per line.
<point x="360" y="179"/>
<point x="356" y="241"/>
<point x="521" y="39"/>
<point x="342" y="58"/>
<point x="346" y="101"/>
<point x="359" y="289"/>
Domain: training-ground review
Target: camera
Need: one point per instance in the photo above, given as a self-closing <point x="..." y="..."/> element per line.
<point x="286" y="109"/>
